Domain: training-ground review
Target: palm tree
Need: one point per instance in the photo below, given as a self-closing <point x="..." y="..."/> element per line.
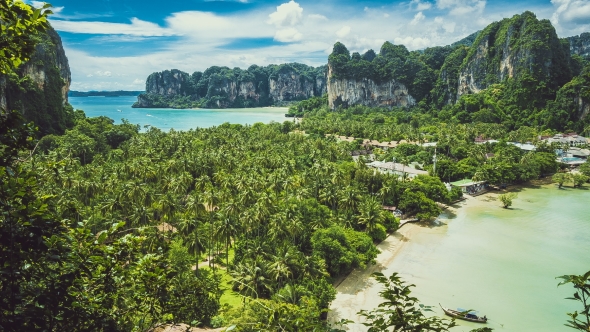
<point x="371" y="213"/>
<point x="250" y="279"/>
<point x="193" y="238"/>
<point x="227" y="230"/>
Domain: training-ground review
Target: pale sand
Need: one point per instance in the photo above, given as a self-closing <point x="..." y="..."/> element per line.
<point x="359" y="291"/>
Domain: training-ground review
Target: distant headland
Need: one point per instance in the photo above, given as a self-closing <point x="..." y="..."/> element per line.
<point x="104" y="93"/>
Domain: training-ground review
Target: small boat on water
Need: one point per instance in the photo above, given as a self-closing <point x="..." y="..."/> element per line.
<point x="464" y="315"/>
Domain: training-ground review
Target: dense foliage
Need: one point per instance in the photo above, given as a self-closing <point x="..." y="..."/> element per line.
<point x="519" y="72"/>
<point x="401" y="311"/>
<point x="579" y="320"/>
<point x="41" y="102"/>
<point x="458" y="156"/>
<point x="212" y="88"/>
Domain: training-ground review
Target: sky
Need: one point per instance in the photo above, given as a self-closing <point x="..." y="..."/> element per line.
<point x="116" y="44"/>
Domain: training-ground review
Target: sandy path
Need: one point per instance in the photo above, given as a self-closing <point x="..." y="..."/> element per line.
<point x="360" y="291"/>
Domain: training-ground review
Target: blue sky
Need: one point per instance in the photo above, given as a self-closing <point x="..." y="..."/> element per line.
<point x="116" y="44"/>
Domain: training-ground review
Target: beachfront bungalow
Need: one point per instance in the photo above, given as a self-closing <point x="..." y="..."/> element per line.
<point x="396" y="168"/>
<point x="524" y="146"/>
<point x="571" y="139"/>
<point x="471" y="187"/>
<point x="481" y="140"/>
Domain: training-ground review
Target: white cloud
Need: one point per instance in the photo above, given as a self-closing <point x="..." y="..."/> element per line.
<point x="571" y="11"/>
<point x="417" y="18"/>
<point x="288" y="35"/>
<point x="420" y="5"/>
<point x="137" y="27"/>
<point x="287" y="14"/>
<point x="343" y="32"/>
<point x="317" y="17"/>
<point x="201" y="37"/>
<point x="462" y="7"/>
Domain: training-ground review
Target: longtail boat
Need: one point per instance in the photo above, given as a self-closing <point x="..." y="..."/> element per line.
<point x="464" y="315"/>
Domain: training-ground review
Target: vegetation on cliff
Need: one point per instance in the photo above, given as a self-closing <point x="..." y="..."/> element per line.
<point x="515" y="72"/>
<point x="37" y="88"/>
<point x="415" y="70"/>
<point x="222" y="87"/>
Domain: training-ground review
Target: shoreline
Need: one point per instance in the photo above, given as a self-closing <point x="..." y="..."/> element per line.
<point x="358" y="290"/>
<point x="352" y="291"/>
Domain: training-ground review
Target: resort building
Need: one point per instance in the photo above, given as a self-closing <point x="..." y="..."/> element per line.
<point x="572" y="139"/>
<point x="471" y="187"/>
<point x="577" y="152"/>
<point x="524" y="146"/>
<point x="481" y="140"/>
<point x="396" y="168"/>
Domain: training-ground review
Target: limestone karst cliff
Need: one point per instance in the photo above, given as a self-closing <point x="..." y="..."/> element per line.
<point x="512" y="49"/>
<point x="580" y="45"/>
<point x="222" y="87"/>
<point x="41" y="91"/>
<point x="344" y="92"/>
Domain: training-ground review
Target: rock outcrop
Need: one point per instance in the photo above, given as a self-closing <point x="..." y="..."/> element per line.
<point x="222" y="87"/>
<point x="290" y="86"/>
<point x="513" y="48"/>
<point x="344" y="92"/>
<point x="168" y="83"/>
<point x="580" y="45"/>
<point x="41" y="93"/>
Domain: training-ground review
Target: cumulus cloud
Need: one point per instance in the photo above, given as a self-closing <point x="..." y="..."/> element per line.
<point x="462" y="7"/>
<point x="288" y="35"/>
<point x="571" y="11"/>
<point x="287" y="14"/>
<point x="138" y="81"/>
<point x="343" y="32"/>
<point x="420" y="5"/>
<point x="417" y="18"/>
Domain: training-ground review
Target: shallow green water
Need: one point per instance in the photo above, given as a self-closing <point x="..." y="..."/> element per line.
<point x="504" y="262"/>
<point x="118" y="108"/>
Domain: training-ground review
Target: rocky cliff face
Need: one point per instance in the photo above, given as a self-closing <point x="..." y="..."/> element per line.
<point x="42" y="92"/>
<point x="290" y="86"/>
<point x="167" y="83"/>
<point x="347" y="92"/>
<point x="513" y="48"/>
<point x="580" y="45"/>
<point x="221" y="87"/>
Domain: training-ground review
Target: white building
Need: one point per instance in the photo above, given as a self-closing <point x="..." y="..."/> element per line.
<point x="395" y="168"/>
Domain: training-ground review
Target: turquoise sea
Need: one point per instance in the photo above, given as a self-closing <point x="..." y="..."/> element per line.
<point x="503" y="262"/>
<point x="500" y="262"/>
<point x="118" y="108"/>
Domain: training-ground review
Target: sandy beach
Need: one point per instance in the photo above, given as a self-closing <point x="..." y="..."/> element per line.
<point x="359" y="291"/>
<point x="415" y="250"/>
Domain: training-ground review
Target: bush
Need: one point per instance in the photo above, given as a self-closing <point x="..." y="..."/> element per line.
<point x="507" y="199"/>
<point x="391" y="223"/>
<point x="379" y="233"/>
